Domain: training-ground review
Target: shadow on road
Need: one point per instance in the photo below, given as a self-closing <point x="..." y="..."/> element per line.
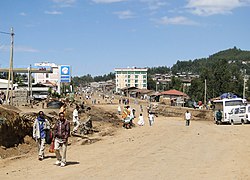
<point x="69" y="163"/>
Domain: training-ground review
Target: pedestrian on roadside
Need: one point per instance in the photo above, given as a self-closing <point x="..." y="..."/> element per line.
<point x="151" y="118"/>
<point x="141" y="120"/>
<point x="76" y="119"/>
<point x="61" y="135"/>
<point x="218" y="117"/>
<point x="39" y="127"/>
<point x="119" y="110"/>
<point x="187" y="117"/>
<point x="63" y="108"/>
<point x="141" y="108"/>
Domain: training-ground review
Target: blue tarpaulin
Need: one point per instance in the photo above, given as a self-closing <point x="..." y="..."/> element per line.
<point x="228" y="95"/>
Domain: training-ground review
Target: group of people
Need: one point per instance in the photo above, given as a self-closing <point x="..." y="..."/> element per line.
<point x="60" y="135"/>
<point x="128" y="116"/>
<point x="61" y="129"/>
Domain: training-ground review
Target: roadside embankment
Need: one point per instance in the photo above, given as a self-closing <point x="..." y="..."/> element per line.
<point x="174" y="111"/>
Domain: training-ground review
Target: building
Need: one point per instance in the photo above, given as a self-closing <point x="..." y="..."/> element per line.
<point x="43" y="78"/>
<point x="60" y="74"/>
<point x="131" y="77"/>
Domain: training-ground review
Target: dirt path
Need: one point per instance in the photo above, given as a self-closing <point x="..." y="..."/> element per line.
<point x="168" y="150"/>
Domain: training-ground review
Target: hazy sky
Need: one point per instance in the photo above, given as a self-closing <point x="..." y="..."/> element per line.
<point x="96" y="36"/>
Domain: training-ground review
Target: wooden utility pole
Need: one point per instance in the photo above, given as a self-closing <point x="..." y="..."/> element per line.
<point x="11" y="74"/>
<point x="205" y="94"/>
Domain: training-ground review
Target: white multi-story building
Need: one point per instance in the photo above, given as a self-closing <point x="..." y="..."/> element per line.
<point x="131" y="77"/>
<point x="53" y="77"/>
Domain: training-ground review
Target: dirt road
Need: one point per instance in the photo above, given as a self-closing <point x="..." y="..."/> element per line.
<point x="167" y="150"/>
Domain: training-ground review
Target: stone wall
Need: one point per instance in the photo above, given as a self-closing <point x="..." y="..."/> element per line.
<point x="20" y="97"/>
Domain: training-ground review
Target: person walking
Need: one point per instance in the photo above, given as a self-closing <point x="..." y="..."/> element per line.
<point x="39" y="127"/>
<point x="187" y="117"/>
<point x="151" y="118"/>
<point x="119" y="110"/>
<point x="141" y="120"/>
<point x="61" y="135"/>
<point x="126" y="117"/>
<point x="76" y="119"/>
<point x="141" y="108"/>
<point x="63" y="108"/>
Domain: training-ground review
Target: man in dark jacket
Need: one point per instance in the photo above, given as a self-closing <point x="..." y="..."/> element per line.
<point x="218" y="117"/>
<point x="61" y="134"/>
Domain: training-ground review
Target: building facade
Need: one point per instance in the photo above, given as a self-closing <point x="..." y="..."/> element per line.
<point x="131" y="77"/>
<point x="60" y="74"/>
<point x="43" y="78"/>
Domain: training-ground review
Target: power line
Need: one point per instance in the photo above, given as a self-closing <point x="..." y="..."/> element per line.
<point x="2" y="32"/>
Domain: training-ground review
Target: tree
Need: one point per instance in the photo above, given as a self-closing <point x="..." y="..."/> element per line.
<point x="151" y="84"/>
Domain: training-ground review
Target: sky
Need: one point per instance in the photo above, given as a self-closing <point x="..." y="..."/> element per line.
<point x="96" y="36"/>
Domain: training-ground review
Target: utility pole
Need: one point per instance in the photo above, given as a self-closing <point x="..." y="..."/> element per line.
<point x="156" y="87"/>
<point x="11" y="75"/>
<point x="244" y="87"/>
<point x="205" y="94"/>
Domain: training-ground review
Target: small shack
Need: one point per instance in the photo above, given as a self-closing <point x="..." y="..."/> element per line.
<point x="173" y="97"/>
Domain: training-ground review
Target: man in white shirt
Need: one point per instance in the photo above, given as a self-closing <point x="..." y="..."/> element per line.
<point x="76" y="119"/>
<point x="151" y="118"/>
<point x="187" y="117"/>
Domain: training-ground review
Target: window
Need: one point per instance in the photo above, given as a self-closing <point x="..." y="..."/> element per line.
<point x="128" y="85"/>
<point x="47" y="75"/>
<point x="144" y="81"/>
<point x="118" y="72"/>
<point x="234" y="103"/>
<point x="144" y="76"/>
<point x="136" y="85"/>
<point x="128" y="81"/>
<point x="128" y="76"/>
<point x="136" y="76"/>
<point x="136" y="81"/>
<point x="144" y="85"/>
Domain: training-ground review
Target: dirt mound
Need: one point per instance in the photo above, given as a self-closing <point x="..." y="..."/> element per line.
<point x="13" y="108"/>
<point x="16" y="128"/>
<point x="98" y="114"/>
<point x="24" y="148"/>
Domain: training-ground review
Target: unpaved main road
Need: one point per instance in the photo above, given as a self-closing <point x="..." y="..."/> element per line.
<point x="168" y="150"/>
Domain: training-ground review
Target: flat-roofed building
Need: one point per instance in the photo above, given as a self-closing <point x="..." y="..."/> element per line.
<point x="53" y="77"/>
<point x="131" y="77"/>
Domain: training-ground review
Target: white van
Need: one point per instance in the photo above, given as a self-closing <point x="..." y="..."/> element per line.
<point x="248" y="113"/>
<point x="238" y="115"/>
<point x="226" y="105"/>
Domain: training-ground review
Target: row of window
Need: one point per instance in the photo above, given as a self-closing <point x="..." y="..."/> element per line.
<point x="135" y="81"/>
<point x="131" y="72"/>
<point x="136" y="85"/>
<point x="136" y="76"/>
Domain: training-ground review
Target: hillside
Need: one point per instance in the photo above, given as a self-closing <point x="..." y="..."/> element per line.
<point x="196" y="66"/>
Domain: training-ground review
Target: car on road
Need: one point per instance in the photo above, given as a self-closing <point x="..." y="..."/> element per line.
<point x="238" y="115"/>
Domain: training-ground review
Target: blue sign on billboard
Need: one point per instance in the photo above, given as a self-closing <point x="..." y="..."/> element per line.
<point x="65" y="73"/>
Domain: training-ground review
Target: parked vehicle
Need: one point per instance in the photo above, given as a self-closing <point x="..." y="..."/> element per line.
<point x="248" y="113"/>
<point x="238" y="115"/>
<point x="226" y="105"/>
<point x="40" y="95"/>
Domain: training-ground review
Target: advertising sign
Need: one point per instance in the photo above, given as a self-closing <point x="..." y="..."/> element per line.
<point x="65" y="73"/>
